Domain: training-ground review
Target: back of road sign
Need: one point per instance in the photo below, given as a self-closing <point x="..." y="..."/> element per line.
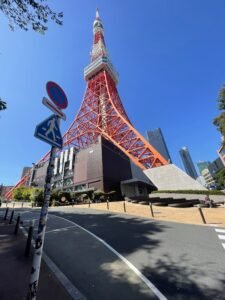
<point x="49" y="132"/>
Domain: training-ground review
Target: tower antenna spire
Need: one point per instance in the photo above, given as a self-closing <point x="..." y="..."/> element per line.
<point x="97" y="16"/>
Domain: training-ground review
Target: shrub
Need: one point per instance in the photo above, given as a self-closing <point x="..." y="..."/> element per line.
<point x="64" y="196"/>
<point x="198" y="192"/>
<point x="55" y="195"/>
<point x="98" y="194"/>
<point x="112" y="195"/>
<point x="37" y="196"/>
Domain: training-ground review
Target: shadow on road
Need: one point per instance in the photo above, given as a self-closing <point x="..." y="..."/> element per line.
<point x="177" y="281"/>
<point x="126" y="234"/>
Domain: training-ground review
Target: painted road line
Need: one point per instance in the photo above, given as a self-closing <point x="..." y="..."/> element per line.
<point x="60" y="229"/>
<point x="220" y="230"/>
<point x="149" y="284"/>
<point x="221" y="237"/>
<point x="223" y="245"/>
<point x="71" y="289"/>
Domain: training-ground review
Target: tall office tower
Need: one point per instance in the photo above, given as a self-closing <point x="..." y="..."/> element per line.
<point x="156" y="139"/>
<point x="202" y="165"/>
<point x="187" y="162"/>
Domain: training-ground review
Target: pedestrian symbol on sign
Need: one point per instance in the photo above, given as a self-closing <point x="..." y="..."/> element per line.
<point x="52" y="127"/>
<point x="49" y="132"/>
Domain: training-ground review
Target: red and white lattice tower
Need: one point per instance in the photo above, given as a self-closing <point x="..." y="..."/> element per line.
<point x="102" y="112"/>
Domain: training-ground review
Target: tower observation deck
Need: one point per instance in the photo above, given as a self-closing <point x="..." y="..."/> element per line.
<point x="102" y="112"/>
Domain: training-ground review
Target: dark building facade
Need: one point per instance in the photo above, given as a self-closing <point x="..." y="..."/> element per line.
<point x="156" y="139"/>
<point x="100" y="166"/>
<point x="25" y="171"/>
<point x="188" y="163"/>
<point x="216" y="166"/>
<point x="38" y="175"/>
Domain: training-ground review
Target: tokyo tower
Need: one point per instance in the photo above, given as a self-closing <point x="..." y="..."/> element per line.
<point x="102" y="112"/>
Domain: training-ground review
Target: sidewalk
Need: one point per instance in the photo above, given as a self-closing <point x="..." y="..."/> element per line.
<point x="189" y="215"/>
<point x="15" y="270"/>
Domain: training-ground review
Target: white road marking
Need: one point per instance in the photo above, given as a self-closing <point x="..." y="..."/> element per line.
<point x="71" y="289"/>
<point x="220" y="230"/>
<point x="221" y="236"/>
<point x="149" y="284"/>
<point x="60" y="229"/>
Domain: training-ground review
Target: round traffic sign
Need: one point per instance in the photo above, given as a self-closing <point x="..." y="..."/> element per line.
<point x="56" y="94"/>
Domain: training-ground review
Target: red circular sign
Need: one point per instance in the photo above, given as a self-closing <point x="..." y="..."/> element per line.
<point x="56" y="94"/>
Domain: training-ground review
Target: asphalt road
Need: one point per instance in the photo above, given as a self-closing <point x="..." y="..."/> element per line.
<point x="181" y="261"/>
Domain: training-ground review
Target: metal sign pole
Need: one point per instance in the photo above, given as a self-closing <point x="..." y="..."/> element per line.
<point x="48" y="131"/>
<point x="33" y="286"/>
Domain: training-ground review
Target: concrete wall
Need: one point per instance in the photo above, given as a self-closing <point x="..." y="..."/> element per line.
<point x="170" y="177"/>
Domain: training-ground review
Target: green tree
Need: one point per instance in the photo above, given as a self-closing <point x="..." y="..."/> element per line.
<point x="221" y="98"/>
<point x="219" y="121"/>
<point x="22" y="193"/>
<point x="26" y="193"/>
<point x="37" y="196"/>
<point x="2" y="104"/>
<point x="27" y="14"/>
<point x="220" y="178"/>
<point x="55" y="194"/>
<point x="18" y="194"/>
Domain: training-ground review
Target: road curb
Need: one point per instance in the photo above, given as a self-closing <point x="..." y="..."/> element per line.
<point x="66" y="283"/>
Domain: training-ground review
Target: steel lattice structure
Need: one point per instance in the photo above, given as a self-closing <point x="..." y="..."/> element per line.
<point x="102" y="112"/>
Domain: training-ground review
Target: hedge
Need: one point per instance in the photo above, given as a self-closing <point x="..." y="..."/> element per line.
<point x="199" y="192"/>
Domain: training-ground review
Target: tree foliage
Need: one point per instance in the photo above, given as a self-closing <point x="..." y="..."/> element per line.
<point x="37" y="196"/>
<point x="220" y="178"/>
<point x="22" y="193"/>
<point x="2" y="104"/>
<point x="221" y="98"/>
<point x="29" y="13"/>
<point x="219" y="121"/>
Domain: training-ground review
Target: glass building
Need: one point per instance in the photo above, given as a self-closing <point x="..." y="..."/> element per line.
<point x="202" y="165"/>
<point x="188" y="163"/>
<point x="156" y="139"/>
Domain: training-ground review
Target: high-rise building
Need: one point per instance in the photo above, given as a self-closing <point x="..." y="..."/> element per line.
<point x="202" y="165"/>
<point x="25" y="171"/>
<point x="187" y="162"/>
<point x="156" y="139"/>
<point x="216" y="166"/>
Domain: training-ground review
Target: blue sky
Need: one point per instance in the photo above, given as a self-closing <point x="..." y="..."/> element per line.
<point x="169" y="55"/>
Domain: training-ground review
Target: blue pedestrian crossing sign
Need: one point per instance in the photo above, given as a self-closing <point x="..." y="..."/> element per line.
<point x="49" y="132"/>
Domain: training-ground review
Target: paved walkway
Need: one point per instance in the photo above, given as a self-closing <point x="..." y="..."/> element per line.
<point x="190" y="215"/>
<point x="15" y="270"/>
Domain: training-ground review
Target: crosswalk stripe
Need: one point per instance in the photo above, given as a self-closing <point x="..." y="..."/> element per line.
<point x="221" y="237"/>
<point x="220" y="230"/>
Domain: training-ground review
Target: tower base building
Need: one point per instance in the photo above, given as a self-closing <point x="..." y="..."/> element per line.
<point x="101" y="166"/>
